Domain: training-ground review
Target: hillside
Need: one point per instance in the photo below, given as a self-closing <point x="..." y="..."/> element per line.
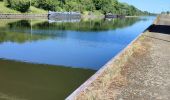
<point x="32" y="9"/>
<point x="83" y="6"/>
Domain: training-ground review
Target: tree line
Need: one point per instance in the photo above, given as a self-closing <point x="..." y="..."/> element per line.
<point x="103" y="6"/>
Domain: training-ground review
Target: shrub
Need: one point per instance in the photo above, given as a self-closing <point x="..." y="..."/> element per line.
<point x="7" y="3"/>
<point x="57" y="8"/>
<point x="45" y="4"/>
<point x="20" y="5"/>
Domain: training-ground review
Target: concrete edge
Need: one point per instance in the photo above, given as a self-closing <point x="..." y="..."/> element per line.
<point x="85" y="85"/>
<point x="22" y="16"/>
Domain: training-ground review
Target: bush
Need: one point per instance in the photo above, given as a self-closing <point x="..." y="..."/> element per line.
<point x="45" y="4"/>
<point x="57" y="8"/>
<point x="19" y="5"/>
<point x="7" y="3"/>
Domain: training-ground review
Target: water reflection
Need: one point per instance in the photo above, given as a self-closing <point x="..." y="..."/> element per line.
<point x="32" y="30"/>
<point x="68" y="43"/>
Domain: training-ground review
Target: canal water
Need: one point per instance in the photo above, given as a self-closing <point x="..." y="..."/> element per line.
<point x="82" y="44"/>
<point x="47" y="60"/>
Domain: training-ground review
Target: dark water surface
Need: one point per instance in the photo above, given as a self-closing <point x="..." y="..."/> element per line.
<point x="85" y="44"/>
<point x="23" y="81"/>
<point x="36" y="51"/>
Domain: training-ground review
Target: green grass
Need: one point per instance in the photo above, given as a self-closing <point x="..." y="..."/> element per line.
<point x="96" y="13"/>
<point x="37" y="10"/>
<point x="34" y="10"/>
<point x="4" y="9"/>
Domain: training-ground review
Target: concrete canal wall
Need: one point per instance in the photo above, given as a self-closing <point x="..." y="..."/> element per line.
<point x="102" y="78"/>
<point x="22" y="16"/>
<point x="51" y="15"/>
<point x="64" y="15"/>
<point x="108" y="81"/>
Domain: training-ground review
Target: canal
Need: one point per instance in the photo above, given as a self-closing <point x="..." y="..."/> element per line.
<point x="47" y="60"/>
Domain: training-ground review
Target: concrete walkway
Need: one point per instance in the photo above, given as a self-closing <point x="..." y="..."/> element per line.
<point x="149" y="73"/>
<point x="146" y="74"/>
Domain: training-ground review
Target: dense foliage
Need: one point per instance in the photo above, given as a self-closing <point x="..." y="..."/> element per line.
<point x="19" y="5"/>
<point x="45" y="4"/>
<point x="102" y="6"/>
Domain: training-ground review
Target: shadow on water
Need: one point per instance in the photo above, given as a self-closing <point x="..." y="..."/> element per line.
<point x="23" y="81"/>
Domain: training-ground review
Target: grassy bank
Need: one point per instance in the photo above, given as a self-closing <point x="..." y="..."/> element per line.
<point x="92" y="15"/>
<point x="34" y="10"/>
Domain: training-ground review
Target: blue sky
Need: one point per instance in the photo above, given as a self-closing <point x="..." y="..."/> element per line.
<point x="154" y="6"/>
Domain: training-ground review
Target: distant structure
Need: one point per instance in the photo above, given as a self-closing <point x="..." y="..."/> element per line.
<point x="63" y="20"/>
<point x="64" y="15"/>
<point x="114" y="16"/>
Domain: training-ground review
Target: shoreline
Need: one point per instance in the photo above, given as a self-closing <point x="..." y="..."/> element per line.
<point x="100" y="80"/>
<point x="45" y="16"/>
<point x="23" y="16"/>
<point x="120" y="77"/>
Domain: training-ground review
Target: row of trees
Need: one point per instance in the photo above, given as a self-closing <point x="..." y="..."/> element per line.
<point x="104" y="6"/>
<point x="167" y="12"/>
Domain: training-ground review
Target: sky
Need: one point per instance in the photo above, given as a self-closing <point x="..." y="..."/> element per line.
<point x="153" y="6"/>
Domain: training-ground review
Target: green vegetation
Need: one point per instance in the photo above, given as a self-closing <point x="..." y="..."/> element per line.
<point x="44" y="4"/>
<point x="20" y="5"/>
<point x="4" y="9"/>
<point x="35" y="10"/>
<point x="32" y="9"/>
<point x="102" y="6"/>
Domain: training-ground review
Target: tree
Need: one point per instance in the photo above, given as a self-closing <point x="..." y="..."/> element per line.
<point x="103" y="6"/>
<point x="20" y="5"/>
<point x="87" y="5"/>
<point x="7" y="3"/>
<point x="71" y="6"/>
<point x="62" y="3"/>
<point x="106" y="6"/>
<point x="46" y="4"/>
